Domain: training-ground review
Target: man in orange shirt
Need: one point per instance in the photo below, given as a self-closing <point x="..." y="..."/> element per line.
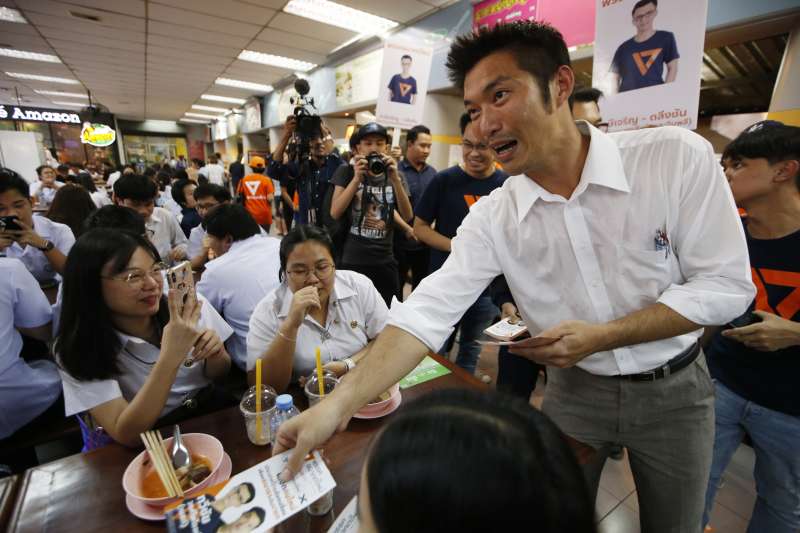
<point x="256" y="192"/>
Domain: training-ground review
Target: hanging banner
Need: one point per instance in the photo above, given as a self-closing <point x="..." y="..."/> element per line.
<point x="489" y="13"/>
<point x="355" y="80"/>
<point x="647" y="61"/>
<point x="98" y="134"/>
<point x="252" y="115"/>
<point x="404" y="84"/>
<point x="37" y="114"/>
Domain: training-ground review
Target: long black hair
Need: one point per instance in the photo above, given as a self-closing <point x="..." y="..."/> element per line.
<point x="87" y="343"/>
<point x="484" y="462"/>
<point x="299" y="235"/>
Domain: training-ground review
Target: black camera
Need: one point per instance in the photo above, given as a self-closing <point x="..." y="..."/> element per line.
<point x="309" y="125"/>
<point x="375" y="163"/>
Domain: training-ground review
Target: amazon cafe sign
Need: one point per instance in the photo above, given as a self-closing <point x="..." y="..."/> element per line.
<point x="35" y="114"/>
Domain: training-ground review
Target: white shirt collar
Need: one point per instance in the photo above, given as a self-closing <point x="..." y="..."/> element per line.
<point x="341" y="291"/>
<point x="603" y="167"/>
<point x="129" y="339"/>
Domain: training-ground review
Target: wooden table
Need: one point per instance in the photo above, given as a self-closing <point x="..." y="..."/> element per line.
<point x="8" y="490"/>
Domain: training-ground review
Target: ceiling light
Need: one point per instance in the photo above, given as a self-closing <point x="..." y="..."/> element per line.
<point x="200" y="115"/>
<point x="193" y="121"/>
<point x="36" y="77"/>
<point x="33" y="56"/>
<point x="339" y="15"/>
<point x="61" y="94"/>
<point x="244" y="84"/>
<point x="276" y="61"/>
<point x="69" y="104"/>
<point x="209" y="108"/>
<point x="11" y="15"/>
<point x="228" y="99"/>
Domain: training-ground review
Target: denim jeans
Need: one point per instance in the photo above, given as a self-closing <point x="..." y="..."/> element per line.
<point x="477" y="318"/>
<point x="776" y="442"/>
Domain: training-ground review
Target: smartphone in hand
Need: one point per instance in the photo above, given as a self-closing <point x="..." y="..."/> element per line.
<point x="9" y="223"/>
<point x="507" y="329"/>
<point x="744" y="320"/>
<point x="181" y="279"/>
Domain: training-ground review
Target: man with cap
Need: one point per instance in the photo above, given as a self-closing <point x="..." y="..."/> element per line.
<point x="370" y="200"/>
<point x="256" y="192"/>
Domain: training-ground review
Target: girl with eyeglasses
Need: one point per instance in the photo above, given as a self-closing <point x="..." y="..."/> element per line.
<point x="131" y="358"/>
<point x="315" y="306"/>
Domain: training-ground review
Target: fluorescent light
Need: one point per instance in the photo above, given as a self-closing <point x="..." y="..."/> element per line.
<point x="11" y="15"/>
<point x="244" y="84"/>
<point x="69" y="104"/>
<point x="193" y="121"/>
<point x="227" y="99"/>
<point x="209" y="108"/>
<point x="276" y="61"/>
<point x="36" y="77"/>
<point x="33" y="56"/>
<point x="200" y="115"/>
<point x="340" y="15"/>
<point x="61" y="94"/>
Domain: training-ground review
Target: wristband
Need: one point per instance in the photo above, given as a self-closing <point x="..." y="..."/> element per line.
<point x="349" y="363"/>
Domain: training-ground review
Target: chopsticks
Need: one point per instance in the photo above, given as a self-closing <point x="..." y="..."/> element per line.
<point x="158" y="454"/>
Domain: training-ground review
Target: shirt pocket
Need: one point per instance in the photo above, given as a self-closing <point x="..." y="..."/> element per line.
<point x="642" y="275"/>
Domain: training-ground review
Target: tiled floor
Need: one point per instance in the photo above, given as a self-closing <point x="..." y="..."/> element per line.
<point x="617" y="507"/>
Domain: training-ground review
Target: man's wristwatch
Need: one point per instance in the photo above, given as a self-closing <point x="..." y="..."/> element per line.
<point x="48" y="245"/>
<point x="349" y="363"/>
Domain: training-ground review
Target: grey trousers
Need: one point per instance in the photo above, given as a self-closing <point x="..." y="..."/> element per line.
<point x="667" y="426"/>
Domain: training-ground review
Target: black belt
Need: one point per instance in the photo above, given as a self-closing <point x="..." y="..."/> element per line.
<point x="674" y="365"/>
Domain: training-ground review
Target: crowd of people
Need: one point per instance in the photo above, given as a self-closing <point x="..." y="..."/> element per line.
<point x="623" y="253"/>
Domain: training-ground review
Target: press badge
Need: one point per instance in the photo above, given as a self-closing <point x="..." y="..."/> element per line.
<point x="662" y="242"/>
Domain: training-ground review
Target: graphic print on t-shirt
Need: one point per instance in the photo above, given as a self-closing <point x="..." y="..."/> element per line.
<point x="780" y="282"/>
<point x="642" y="64"/>
<point x="645" y="59"/>
<point x="374" y="220"/>
<point x="470" y="199"/>
<point x="402" y="88"/>
<point x="252" y="186"/>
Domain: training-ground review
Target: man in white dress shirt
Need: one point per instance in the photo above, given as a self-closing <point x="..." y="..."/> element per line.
<point x="618" y="248"/>
<point x="208" y="196"/>
<point x="214" y="172"/>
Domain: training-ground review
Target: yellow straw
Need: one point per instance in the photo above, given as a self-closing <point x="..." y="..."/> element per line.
<point x="258" y="399"/>
<point x="319" y="374"/>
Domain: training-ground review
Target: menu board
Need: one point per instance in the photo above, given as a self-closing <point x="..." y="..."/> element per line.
<point x="356" y="81"/>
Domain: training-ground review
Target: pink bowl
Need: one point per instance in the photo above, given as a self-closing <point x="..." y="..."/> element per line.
<point x="197" y="443"/>
<point x="377" y="407"/>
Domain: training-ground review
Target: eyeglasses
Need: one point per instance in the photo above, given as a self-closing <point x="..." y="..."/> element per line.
<point x="649" y="14"/>
<point x="469" y="147"/>
<point x="321" y="272"/>
<point x="135" y="277"/>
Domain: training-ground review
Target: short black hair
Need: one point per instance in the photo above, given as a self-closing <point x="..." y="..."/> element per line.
<point x="414" y="132"/>
<point x="180" y="174"/>
<point x="406" y="56"/>
<point x="230" y="219"/>
<point x="252" y="490"/>
<point x="298" y="235"/>
<point x="40" y="168"/>
<point x="116" y="217"/>
<point x="220" y="193"/>
<point x="135" y="187"/>
<point x="177" y="191"/>
<point x="585" y="94"/>
<point x="463" y="121"/>
<point x="10" y="180"/>
<point x="642" y="3"/>
<point x="259" y="513"/>
<point x="537" y="47"/>
<point x="62" y="169"/>
<point x="768" y="139"/>
<point x="86" y="181"/>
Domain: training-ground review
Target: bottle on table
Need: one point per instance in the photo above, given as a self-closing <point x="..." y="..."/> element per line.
<point x="284" y="410"/>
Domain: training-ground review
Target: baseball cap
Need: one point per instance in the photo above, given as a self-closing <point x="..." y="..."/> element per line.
<point x="257" y="162"/>
<point x="371" y="128"/>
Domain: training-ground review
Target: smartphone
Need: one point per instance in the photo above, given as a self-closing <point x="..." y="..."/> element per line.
<point x="744" y="320"/>
<point x="10" y="223"/>
<point x="506" y="330"/>
<point x="181" y="279"/>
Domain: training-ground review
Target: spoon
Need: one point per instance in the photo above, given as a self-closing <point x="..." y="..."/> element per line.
<point x="180" y="454"/>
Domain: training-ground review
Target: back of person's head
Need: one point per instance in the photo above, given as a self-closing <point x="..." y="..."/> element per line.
<point x="180" y="174"/>
<point x="230" y="219"/>
<point x="463" y="122"/>
<point x="177" y="191"/>
<point x="771" y="140"/>
<point x="71" y="205"/>
<point x="150" y="173"/>
<point x="212" y="160"/>
<point x="585" y="94"/>
<point x="163" y="179"/>
<point x="62" y="169"/>
<point x="135" y="187"/>
<point x="218" y="192"/>
<point x="11" y="180"/>
<point x="537" y="48"/>
<point x="298" y="235"/>
<point x="85" y="180"/>
<point x="483" y="461"/>
<point x="116" y="217"/>
<point x="87" y="342"/>
<point x="413" y="133"/>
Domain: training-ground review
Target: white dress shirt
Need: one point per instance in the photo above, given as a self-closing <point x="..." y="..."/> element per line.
<point x="100" y="198"/>
<point x="44" y="195"/>
<point x="236" y="281"/>
<point x="135" y="361"/>
<point x="214" y="174"/>
<point x="26" y="389"/>
<point x="165" y="232"/>
<point x="356" y="314"/>
<point x="168" y="202"/>
<point x="34" y="259"/>
<point x="112" y="178"/>
<point x="594" y="257"/>
<point x="196" y="237"/>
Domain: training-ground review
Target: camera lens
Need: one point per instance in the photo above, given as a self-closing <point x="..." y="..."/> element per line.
<point x="375" y="164"/>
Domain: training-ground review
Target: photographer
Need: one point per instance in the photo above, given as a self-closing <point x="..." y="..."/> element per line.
<point x="373" y="194"/>
<point x="311" y="177"/>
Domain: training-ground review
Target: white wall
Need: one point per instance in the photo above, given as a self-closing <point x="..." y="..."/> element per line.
<point x="441" y="116"/>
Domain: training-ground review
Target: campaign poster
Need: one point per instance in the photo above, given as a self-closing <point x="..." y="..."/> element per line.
<point x="403" y="83"/>
<point x="647" y="61"/>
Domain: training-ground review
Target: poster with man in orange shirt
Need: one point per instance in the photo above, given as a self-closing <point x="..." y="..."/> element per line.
<point x="256" y="192"/>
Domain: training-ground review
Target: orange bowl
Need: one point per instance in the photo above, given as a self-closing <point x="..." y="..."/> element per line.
<point x="197" y="443"/>
<point x="377" y="407"/>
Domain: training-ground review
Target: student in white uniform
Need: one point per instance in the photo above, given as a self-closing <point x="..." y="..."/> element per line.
<point x="26" y="389"/>
<point x="42" y="245"/>
<point x="124" y="348"/>
<point x="207" y="196"/>
<point x="139" y="193"/>
<point x="99" y="196"/>
<point x="44" y="190"/>
<point x="315" y="306"/>
<point x="214" y="172"/>
<point x="244" y="272"/>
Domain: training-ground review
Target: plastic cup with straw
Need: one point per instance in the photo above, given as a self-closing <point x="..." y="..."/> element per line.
<point x="320" y="379"/>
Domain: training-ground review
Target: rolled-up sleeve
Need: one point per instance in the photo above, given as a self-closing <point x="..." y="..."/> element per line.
<point x="262" y="330"/>
<point x="710" y="245"/>
<point x="439" y="302"/>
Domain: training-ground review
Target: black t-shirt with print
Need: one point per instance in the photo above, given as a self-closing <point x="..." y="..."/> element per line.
<point x="766" y="378"/>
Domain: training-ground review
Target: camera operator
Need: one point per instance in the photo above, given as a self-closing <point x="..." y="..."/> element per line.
<point x="311" y="182"/>
<point x="373" y="194"/>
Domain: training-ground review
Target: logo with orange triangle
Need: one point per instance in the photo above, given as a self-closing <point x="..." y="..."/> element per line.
<point x="404" y="88"/>
<point x="645" y="59"/>
<point x="789" y="306"/>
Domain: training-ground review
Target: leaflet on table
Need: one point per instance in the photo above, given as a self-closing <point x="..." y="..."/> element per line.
<point x="348" y="520"/>
<point x="253" y="500"/>
<point x="529" y="342"/>
<point x="427" y="370"/>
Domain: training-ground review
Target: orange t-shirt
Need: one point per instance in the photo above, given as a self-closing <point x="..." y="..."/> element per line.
<point x="256" y="188"/>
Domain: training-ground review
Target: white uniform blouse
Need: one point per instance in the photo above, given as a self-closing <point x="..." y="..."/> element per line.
<point x="33" y="258"/>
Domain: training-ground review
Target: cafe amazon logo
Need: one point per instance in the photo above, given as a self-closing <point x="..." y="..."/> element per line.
<point x="98" y="134"/>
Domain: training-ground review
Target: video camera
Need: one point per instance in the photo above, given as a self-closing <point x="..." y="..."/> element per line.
<point x="309" y="125"/>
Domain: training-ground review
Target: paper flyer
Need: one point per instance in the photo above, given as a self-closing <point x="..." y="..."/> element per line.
<point x="427" y="370"/>
<point x="348" y="520"/>
<point x="254" y="500"/>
